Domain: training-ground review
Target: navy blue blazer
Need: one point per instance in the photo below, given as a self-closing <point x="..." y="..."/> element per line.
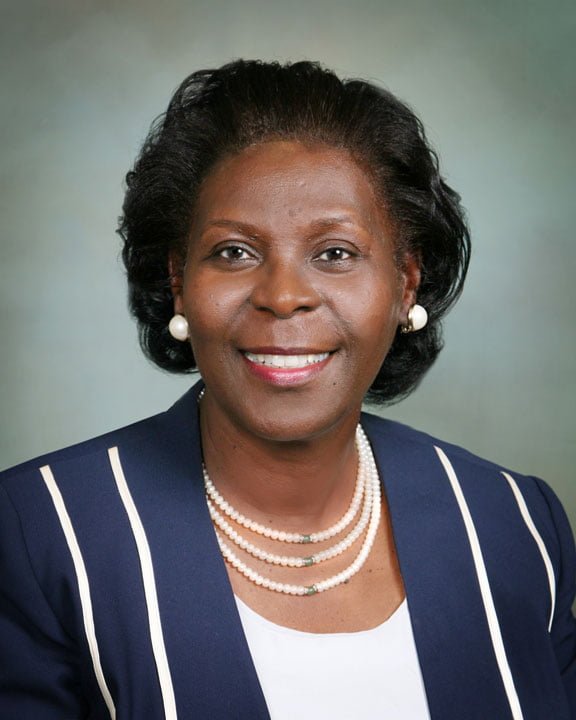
<point x="115" y="601"/>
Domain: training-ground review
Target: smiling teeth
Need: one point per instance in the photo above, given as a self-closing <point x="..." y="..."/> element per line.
<point x="286" y="361"/>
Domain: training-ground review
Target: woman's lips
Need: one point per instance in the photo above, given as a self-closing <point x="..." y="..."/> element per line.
<point x="286" y="367"/>
<point x="280" y="361"/>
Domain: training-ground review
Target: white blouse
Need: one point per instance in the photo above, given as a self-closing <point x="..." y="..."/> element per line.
<point x="338" y="676"/>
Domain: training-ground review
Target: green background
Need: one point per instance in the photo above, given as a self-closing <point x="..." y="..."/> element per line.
<point x="494" y="84"/>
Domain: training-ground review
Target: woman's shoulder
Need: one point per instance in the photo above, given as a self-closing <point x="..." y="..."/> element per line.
<point x="139" y="438"/>
<point x="81" y="466"/>
<point x="406" y="439"/>
<point x="81" y="453"/>
<point x="484" y="482"/>
<point x="150" y="432"/>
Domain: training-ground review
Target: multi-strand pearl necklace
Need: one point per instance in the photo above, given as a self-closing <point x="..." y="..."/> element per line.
<point x="281" y="535"/>
<point x="367" y="489"/>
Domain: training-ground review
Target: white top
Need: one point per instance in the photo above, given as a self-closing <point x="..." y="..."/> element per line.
<point x="338" y="676"/>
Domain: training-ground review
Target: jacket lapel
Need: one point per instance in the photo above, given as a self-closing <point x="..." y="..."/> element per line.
<point x="212" y="670"/>
<point x="448" y="619"/>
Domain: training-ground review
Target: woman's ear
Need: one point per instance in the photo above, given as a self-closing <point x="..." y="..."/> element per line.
<point x="175" y="274"/>
<point x="411" y="272"/>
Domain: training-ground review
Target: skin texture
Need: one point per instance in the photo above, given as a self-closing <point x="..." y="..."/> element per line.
<point x="291" y="252"/>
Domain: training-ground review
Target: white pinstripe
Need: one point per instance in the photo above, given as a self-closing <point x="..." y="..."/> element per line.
<point x="538" y="540"/>
<point x="83" y="584"/>
<point x="485" y="591"/>
<point x="150" y="592"/>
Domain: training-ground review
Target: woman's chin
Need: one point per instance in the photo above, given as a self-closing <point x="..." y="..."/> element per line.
<point x="292" y="420"/>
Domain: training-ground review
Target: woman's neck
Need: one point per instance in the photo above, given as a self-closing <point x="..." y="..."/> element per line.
<point x="298" y="486"/>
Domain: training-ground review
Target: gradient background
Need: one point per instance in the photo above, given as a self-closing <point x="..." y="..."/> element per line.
<point x="494" y="84"/>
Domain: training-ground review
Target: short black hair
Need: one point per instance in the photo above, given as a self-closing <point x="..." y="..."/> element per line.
<point x="215" y="113"/>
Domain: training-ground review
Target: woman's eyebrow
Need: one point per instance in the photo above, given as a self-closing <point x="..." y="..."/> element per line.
<point x="241" y="227"/>
<point x="328" y="222"/>
<point x="225" y="223"/>
<point x="320" y="223"/>
<point x="313" y="229"/>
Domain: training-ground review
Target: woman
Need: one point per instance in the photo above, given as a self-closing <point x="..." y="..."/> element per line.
<point x="261" y="549"/>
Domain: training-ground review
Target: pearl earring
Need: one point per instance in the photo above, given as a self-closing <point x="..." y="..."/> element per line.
<point x="417" y="319"/>
<point x="178" y="328"/>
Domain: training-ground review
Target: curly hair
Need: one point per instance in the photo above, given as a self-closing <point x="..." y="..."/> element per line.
<point x="215" y="113"/>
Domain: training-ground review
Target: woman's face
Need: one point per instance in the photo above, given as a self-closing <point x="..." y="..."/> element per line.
<point x="290" y="288"/>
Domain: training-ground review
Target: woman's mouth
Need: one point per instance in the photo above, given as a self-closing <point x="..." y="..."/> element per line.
<point x="286" y="361"/>
<point x="288" y="367"/>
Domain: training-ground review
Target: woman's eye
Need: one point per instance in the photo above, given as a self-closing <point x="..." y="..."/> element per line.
<point x="335" y="254"/>
<point x="234" y="252"/>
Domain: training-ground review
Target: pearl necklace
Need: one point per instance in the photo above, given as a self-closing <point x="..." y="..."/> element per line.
<point x="289" y="537"/>
<point x="291" y="560"/>
<point x="372" y="506"/>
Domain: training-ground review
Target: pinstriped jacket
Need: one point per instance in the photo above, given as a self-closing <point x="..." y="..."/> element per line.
<point x="115" y="602"/>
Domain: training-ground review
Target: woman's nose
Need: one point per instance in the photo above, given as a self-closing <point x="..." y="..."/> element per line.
<point x="284" y="288"/>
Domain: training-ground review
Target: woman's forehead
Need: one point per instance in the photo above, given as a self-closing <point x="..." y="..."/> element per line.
<point x="317" y="183"/>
